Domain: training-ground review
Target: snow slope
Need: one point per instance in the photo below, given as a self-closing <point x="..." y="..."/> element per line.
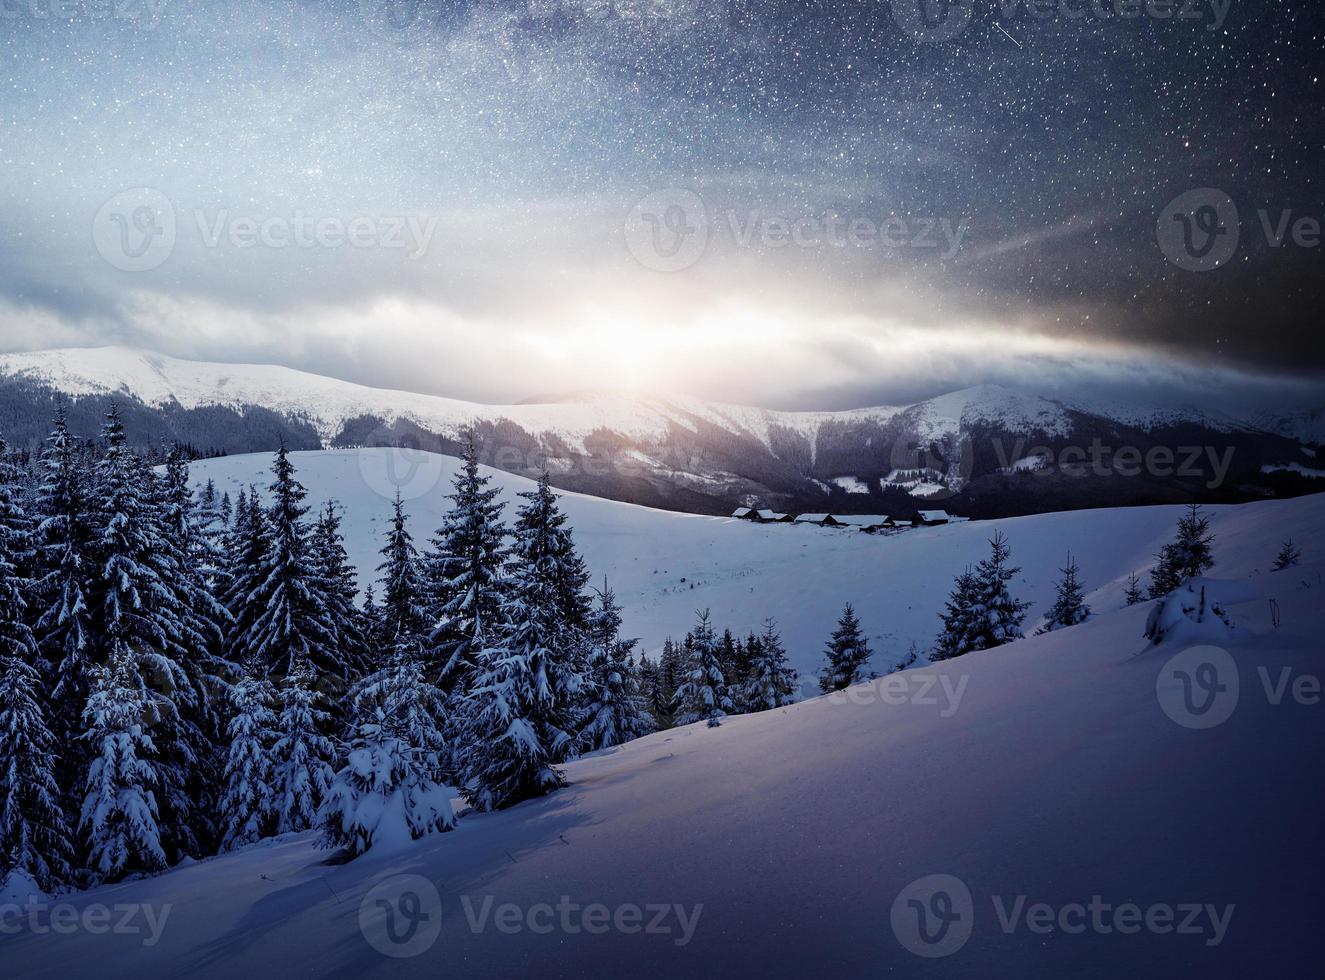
<point x="664" y="566"/>
<point x="787" y="837"/>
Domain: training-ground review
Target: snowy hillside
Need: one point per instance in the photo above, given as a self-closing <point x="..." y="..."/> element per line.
<point x="1051" y="777"/>
<point x="664" y="566"/>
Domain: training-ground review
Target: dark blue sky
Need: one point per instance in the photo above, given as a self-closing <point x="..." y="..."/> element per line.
<point x="799" y="204"/>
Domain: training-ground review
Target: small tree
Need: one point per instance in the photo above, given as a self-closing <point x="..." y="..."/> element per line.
<point x="996" y="616"/>
<point x="1289" y="555"/>
<point x="616" y="713"/>
<point x="956" y="636"/>
<point x="1133" y="594"/>
<point x="1069" y="608"/>
<point x="119" y="815"/>
<point x="772" y="682"/>
<point x="302" y="755"/>
<point x="703" y="696"/>
<point x="848" y="652"/>
<point x="248" y="803"/>
<point x="1186" y="557"/>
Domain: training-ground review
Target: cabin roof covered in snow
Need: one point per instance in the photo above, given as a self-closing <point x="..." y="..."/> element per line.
<point x="862" y="520"/>
<point x="770" y="515"/>
<point x="742" y="512"/>
<point x="811" y="518"/>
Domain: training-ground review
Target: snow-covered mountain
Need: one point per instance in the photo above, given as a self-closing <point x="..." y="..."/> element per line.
<point x="964" y="447"/>
<point x="1059" y="771"/>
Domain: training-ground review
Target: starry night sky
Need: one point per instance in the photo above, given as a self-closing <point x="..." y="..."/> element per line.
<point x="530" y="131"/>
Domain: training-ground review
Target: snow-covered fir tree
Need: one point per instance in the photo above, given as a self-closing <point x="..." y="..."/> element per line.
<point x="847" y="655"/>
<point x="291" y="623"/>
<point x="1186" y="557"/>
<point x="34" y="831"/>
<point x="1069" y="608"/>
<point x="518" y="723"/>
<point x="996" y="615"/>
<point x="302" y="756"/>
<point x="404" y="616"/>
<point x="703" y="695"/>
<point x="772" y="681"/>
<point x="389" y="790"/>
<point x="246" y="548"/>
<point x="118" y="821"/>
<point x="1289" y="555"/>
<point x="248" y="804"/>
<point x="958" y="616"/>
<point x="464" y="576"/>
<point x="616" y="712"/>
<point x="1132" y="594"/>
<point x="339" y="589"/>
<point x="543" y="536"/>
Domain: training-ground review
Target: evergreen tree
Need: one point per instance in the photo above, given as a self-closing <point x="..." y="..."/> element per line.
<point x="403" y="615"/>
<point x="1186" y="557"/>
<point x="703" y="695"/>
<point x="389" y="788"/>
<point x="957" y="635"/>
<point x="337" y="585"/>
<point x="518" y="722"/>
<point x="996" y="616"/>
<point x="246" y="545"/>
<point x="119" y="812"/>
<point x="1289" y="555"/>
<point x="616" y="713"/>
<point x="303" y="756"/>
<point x="848" y="653"/>
<point x="542" y="537"/>
<point x="63" y="628"/>
<point x="464" y="576"/>
<point x="292" y="623"/>
<point x="1069" y="608"/>
<point x="34" y="834"/>
<point x="772" y="681"/>
<point x="1133" y="594"/>
<point x="249" y="804"/>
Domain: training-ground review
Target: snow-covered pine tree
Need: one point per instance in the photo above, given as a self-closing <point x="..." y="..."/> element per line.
<point x="1133" y="594"/>
<point x="1289" y="555"/>
<point x="463" y="576"/>
<point x="404" y="618"/>
<point x="339" y="588"/>
<point x="518" y="722"/>
<point x="996" y="615"/>
<point x="67" y="563"/>
<point x="956" y="636"/>
<point x="543" y="537"/>
<point x="140" y="613"/>
<point x="703" y="694"/>
<point x="772" y="681"/>
<point x="616" y="711"/>
<point x="246" y="548"/>
<point x="1069" y="608"/>
<point x="34" y="832"/>
<point x="248" y="804"/>
<point x="373" y="630"/>
<point x="847" y="653"/>
<point x="389" y="789"/>
<point x="292" y="622"/>
<point x="118" y="820"/>
<point x="1186" y="557"/>
<point x="303" y="756"/>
